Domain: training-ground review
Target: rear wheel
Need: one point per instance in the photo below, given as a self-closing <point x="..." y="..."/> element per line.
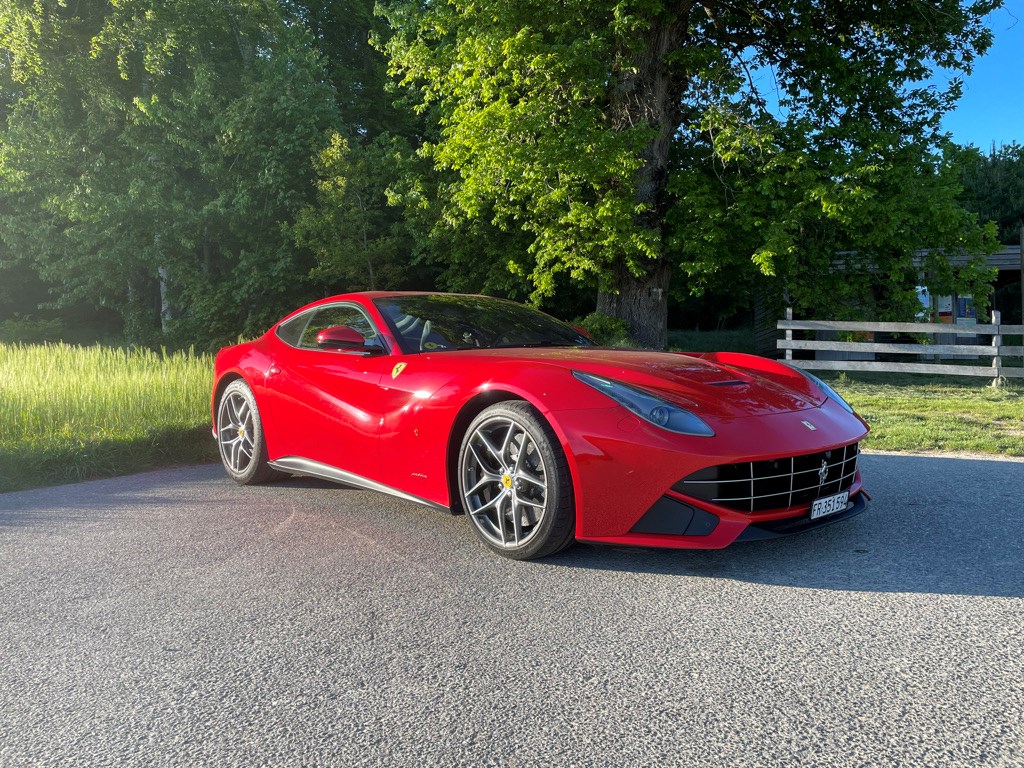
<point x="514" y="482"/>
<point x="240" y="437"/>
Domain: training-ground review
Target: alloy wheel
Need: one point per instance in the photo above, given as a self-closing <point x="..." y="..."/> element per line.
<point x="504" y="482"/>
<point x="236" y="432"/>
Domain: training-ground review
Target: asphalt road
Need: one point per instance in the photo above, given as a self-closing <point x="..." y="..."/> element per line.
<point x="173" y="618"/>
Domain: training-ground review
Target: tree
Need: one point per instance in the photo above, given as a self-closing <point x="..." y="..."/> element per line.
<point x="153" y="152"/>
<point x="359" y="240"/>
<point x="833" y="233"/>
<point x="627" y="140"/>
<point x="994" y="189"/>
<point x="340" y="31"/>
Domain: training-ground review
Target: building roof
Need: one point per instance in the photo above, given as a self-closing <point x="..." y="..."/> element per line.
<point x="1006" y="260"/>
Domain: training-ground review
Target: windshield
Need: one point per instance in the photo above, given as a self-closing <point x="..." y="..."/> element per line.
<point x="425" y="323"/>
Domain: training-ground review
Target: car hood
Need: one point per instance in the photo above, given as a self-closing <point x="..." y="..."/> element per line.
<point x="705" y="386"/>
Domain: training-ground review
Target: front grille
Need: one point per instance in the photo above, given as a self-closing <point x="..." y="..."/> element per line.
<point x="755" y="486"/>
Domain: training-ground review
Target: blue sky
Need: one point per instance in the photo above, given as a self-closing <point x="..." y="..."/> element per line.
<point x="992" y="107"/>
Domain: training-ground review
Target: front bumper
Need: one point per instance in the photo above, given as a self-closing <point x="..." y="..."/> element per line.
<point x="684" y="525"/>
<point x="622" y="468"/>
<point x="772" y="529"/>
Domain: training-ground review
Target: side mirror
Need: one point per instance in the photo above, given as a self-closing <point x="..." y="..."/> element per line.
<point x="346" y="339"/>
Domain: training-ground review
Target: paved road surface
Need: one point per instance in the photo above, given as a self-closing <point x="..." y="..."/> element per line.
<point x="173" y="618"/>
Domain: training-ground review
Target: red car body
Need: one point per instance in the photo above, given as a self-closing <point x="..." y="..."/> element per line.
<point x="394" y="422"/>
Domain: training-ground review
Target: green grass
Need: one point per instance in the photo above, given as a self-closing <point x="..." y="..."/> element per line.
<point x="910" y="412"/>
<point x="75" y="413"/>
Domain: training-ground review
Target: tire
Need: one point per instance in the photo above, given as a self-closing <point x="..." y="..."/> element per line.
<point x="243" y="451"/>
<point x="514" y="482"/>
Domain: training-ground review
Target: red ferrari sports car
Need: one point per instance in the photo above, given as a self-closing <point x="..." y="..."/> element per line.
<point x="482" y="406"/>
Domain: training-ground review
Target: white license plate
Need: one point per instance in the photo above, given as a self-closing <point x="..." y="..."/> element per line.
<point x="829" y="505"/>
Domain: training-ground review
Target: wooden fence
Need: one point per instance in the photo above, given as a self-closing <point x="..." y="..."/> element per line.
<point x="995" y="350"/>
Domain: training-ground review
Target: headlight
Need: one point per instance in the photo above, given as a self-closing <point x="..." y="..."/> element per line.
<point x="831" y="393"/>
<point x="648" y="407"/>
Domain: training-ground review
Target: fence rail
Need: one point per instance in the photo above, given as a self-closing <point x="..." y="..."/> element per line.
<point x="995" y="350"/>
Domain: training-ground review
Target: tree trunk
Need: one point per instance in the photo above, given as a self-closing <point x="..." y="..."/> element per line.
<point x="642" y="302"/>
<point x="141" y="312"/>
<point x="166" y="307"/>
<point x="644" y="94"/>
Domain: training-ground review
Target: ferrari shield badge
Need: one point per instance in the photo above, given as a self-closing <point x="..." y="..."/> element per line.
<point x="399" y="367"/>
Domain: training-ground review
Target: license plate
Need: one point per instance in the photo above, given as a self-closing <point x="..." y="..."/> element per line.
<point x="829" y="505"/>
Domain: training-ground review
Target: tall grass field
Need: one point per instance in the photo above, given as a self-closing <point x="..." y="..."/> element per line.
<point x="73" y="413"/>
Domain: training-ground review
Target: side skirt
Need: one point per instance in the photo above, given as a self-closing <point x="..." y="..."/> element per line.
<point x="300" y="466"/>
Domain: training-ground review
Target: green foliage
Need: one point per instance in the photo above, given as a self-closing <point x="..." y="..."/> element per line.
<point x="27" y="330"/>
<point x="201" y="166"/>
<point x="521" y="130"/>
<point x="616" y="138"/>
<point x="359" y="239"/>
<point x="154" y="152"/>
<point x="605" y="330"/>
<point x="74" y="413"/>
<point x="841" y="234"/>
<point x="737" y="340"/>
<point x="340" y="31"/>
<point x="994" y="188"/>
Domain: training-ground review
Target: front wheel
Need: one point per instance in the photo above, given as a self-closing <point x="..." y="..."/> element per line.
<point x="240" y="437"/>
<point x="514" y="482"/>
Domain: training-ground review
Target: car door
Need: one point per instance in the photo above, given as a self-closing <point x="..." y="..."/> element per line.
<point x="325" y="404"/>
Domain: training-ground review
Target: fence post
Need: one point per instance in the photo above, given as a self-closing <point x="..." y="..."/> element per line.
<point x="997" y="342"/>
<point x="789" y="332"/>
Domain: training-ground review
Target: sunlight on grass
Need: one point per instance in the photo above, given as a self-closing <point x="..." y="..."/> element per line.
<point x="930" y="413"/>
<point x="70" y="413"/>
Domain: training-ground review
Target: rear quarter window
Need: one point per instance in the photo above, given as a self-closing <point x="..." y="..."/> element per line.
<point x="290" y="331"/>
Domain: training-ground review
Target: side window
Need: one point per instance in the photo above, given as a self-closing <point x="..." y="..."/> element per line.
<point x="327" y="317"/>
<point x="291" y="331"/>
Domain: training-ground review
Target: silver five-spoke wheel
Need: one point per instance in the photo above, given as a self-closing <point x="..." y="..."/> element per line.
<point x="514" y="482"/>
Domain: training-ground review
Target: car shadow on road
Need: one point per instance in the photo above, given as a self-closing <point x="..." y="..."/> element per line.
<point x="940" y="525"/>
<point x="95" y="500"/>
